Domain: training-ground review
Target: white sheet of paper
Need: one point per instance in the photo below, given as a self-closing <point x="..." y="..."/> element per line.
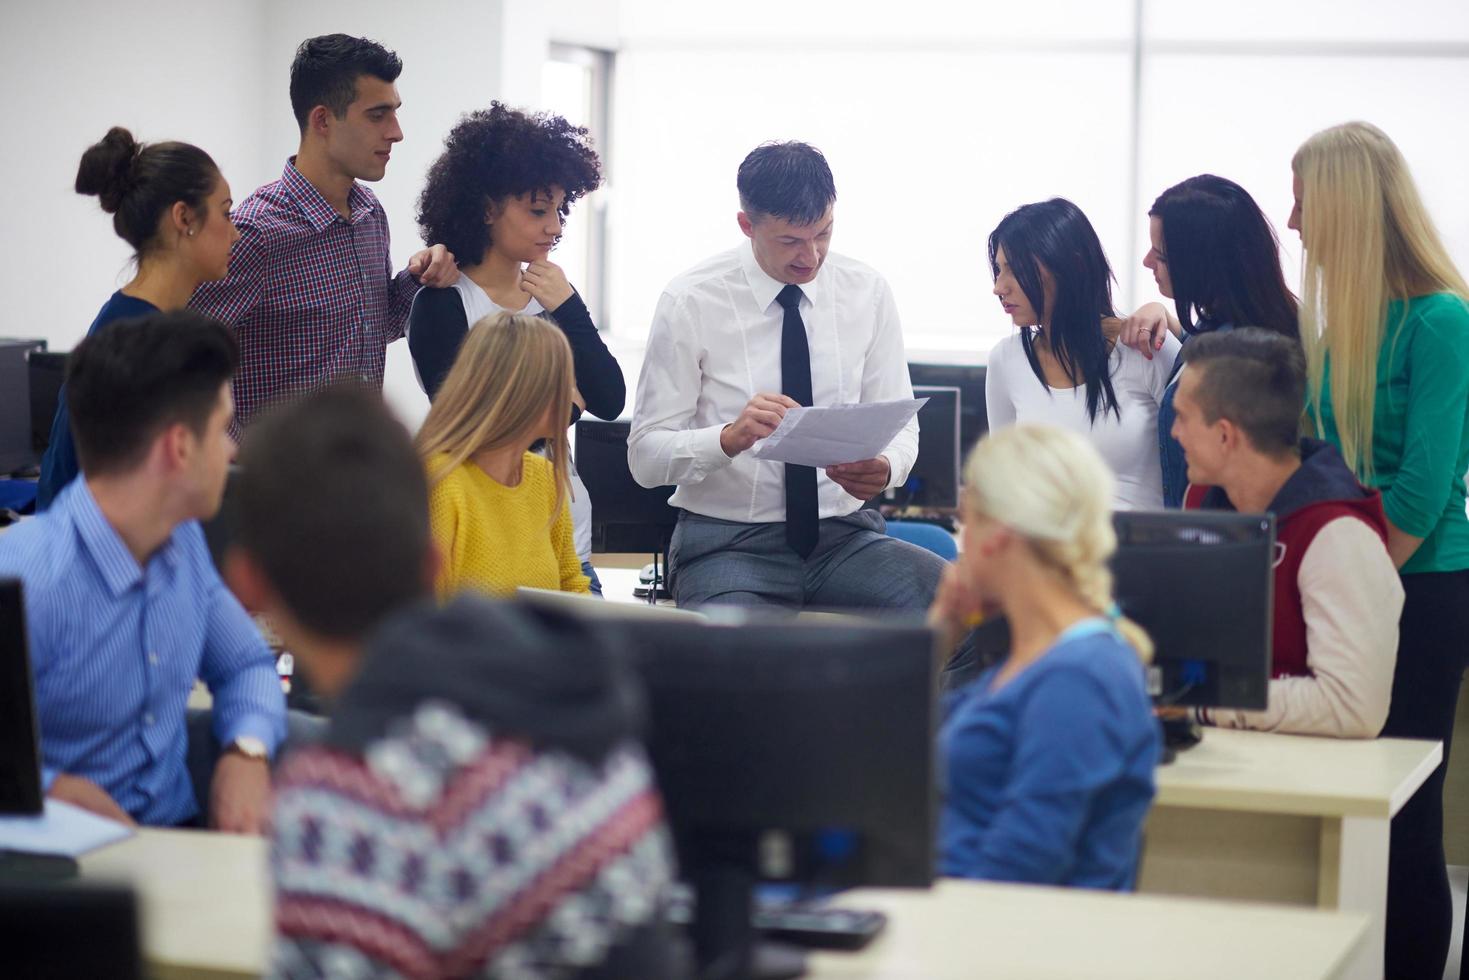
<point x="830" y="434"/>
<point x="60" y="829"/>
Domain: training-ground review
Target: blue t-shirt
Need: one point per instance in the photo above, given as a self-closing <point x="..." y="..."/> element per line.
<point x="1048" y="780"/>
<point x="59" y="465"/>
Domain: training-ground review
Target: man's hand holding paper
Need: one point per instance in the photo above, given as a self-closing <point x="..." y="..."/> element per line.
<point x="838" y="436"/>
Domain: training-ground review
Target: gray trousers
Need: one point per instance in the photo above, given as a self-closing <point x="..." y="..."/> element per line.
<point x="855" y="565"/>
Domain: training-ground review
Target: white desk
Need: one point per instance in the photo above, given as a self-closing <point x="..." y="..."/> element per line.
<point x="206" y="913"/>
<point x="1284" y="818"/>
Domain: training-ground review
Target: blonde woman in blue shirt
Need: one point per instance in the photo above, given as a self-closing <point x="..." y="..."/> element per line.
<point x="1049" y="755"/>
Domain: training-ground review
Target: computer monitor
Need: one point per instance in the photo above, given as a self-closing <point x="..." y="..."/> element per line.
<point x="933" y="483"/>
<point x="16" y="450"/>
<point x="46" y="374"/>
<point x="61" y="931"/>
<point x="20" y="741"/>
<point x="625" y="515"/>
<point x="969" y="379"/>
<point x="1202" y="584"/>
<point x="789" y="752"/>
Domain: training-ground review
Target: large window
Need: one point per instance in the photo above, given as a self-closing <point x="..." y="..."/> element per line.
<point x="940" y="121"/>
<point x="576" y="84"/>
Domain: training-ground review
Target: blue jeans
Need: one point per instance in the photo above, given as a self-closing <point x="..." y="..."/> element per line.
<point x="855" y="565"/>
<point x="591" y="573"/>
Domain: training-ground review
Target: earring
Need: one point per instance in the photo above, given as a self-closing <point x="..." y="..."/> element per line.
<point x="190" y="233"/>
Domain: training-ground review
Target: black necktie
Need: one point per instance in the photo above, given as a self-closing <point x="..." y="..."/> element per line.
<point x="795" y="380"/>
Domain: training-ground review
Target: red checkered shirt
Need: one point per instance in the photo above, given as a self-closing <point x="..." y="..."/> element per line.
<point x="311" y="295"/>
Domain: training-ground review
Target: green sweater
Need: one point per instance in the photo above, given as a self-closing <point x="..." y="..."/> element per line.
<point x="1420" y="434"/>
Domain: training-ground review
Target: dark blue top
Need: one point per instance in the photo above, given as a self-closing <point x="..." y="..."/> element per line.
<point x="59" y="466"/>
<point x="1048" y="780"/>
<point x="1170" y="453"/>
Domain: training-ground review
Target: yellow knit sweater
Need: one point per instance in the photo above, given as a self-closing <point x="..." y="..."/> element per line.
<point x="493" y="538"/>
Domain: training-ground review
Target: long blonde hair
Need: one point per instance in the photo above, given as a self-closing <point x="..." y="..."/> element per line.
<point x="509" y="372"/>
<point x="1368" y="240"/>
<point x="1049" y="486"/>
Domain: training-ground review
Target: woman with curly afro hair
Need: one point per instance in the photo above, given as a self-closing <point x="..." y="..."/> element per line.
<point x="497" y="198"/>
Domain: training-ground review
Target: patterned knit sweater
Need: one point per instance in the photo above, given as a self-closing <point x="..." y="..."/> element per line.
<point x="434" y="842"/>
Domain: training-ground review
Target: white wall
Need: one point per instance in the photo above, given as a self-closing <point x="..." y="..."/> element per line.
<point x="72" y="69"/>
<point x="216" y="73"/>
<point x="935" y="126"/>
<point x="938" y="118"/>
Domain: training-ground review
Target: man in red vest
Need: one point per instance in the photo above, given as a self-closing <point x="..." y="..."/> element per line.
<point x="1337" y="593"/>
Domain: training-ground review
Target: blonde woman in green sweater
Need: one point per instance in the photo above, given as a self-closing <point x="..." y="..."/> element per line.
<point x="1385" y="323"/>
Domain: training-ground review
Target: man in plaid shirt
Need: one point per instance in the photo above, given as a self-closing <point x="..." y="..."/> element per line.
<point x="311" y="292"/>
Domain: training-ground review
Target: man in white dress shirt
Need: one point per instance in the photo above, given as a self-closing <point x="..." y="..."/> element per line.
<point x="775" y="323"/>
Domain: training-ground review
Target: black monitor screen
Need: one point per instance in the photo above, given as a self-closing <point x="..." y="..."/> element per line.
<point x="1202" y="584"/>
<point x="821" y="730"/>
<point x="16" y="449"/>
<point x="786" y="751"/>
<point x="969" y="379"/>
<point x="934" y="480"/>
<point x="625" y="515"/>
<point x="20" y="753"/>
<point x="47" y="371"/>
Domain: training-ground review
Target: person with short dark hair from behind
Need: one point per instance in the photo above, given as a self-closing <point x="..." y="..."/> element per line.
<point x="497" y="198"/>
<point x="123" y="603"/>
<point x="1065" y="365"/>
<point x="171" y="204"/>
<point x="502" y="814"/>
<point x="1049" y="754"/>
<point x="1337" y="594"/>
<point x="779" y="322"/>
<point x="311" y="292"/>
<point x="500" y="513"/>
<point x="1385" y="322"/>
<point x="1216" y="256"/>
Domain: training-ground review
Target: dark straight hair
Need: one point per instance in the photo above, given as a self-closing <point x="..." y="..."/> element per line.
<point x="133" y="378"/>
<point x="333" y="505"/>
<point x="1223" y="258"/>
<point x="326" y="69"/>
<point x="1055" y="234"/>
<point x="786" y="180"/>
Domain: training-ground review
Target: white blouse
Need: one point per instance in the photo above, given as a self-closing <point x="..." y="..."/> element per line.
<point x="1129" y="444"/>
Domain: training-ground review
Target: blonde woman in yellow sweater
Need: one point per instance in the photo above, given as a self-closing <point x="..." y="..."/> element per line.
<point x="499" y="512"/>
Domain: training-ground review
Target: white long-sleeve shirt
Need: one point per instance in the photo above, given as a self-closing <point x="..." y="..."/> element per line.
<point x="715" y="343"/>
<point x="1351" y="597"/>
<point x="1129" y="443"/>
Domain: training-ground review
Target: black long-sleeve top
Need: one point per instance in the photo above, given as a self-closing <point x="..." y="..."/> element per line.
<point x="438" y="324"/>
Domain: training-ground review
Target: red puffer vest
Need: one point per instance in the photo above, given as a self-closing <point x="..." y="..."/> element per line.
<point x="1321" y="491"/>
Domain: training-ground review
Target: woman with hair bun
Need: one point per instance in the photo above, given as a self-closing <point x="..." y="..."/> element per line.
<point x="1385" y="323"/>
<point x="172" y="205"/>
<point x="1048" y="755"/>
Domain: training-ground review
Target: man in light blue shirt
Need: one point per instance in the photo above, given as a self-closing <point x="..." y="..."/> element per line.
<point x="123" y="604"/>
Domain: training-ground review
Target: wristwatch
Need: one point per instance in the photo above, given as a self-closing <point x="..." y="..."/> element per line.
<point x="250" y="747"/>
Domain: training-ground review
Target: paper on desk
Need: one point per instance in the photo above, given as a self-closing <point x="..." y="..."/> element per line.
<point x="828" y="435"/>
<point x="60" y="829"/>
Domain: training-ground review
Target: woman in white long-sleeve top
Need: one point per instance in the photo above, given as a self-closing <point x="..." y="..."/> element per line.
<point x="1064" y="367"/>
